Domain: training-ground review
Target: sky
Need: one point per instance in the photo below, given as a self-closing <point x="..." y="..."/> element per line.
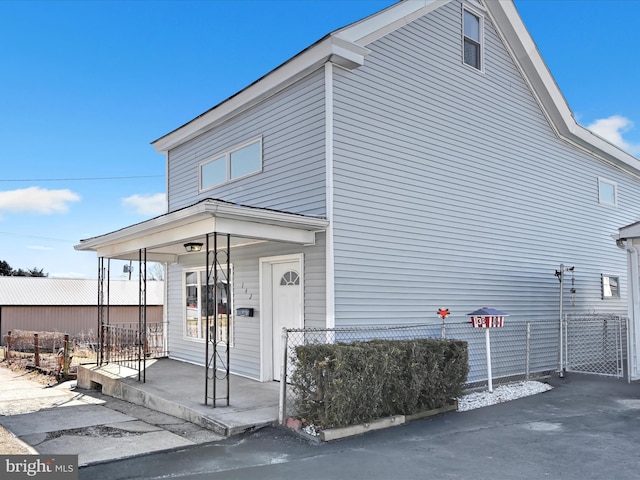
<point x="85" y="86"/>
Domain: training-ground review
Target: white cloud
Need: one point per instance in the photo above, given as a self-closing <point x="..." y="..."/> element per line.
<point x="37" y="200"/>
<point x="154" y="204"/>
<point x="39" y="247"/>
<point x="612" y="129"/>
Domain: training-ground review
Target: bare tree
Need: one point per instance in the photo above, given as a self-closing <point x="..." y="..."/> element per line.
<point x="155" y="271"/>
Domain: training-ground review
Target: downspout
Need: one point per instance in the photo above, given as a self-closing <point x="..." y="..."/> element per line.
<point x="633" y="306"/>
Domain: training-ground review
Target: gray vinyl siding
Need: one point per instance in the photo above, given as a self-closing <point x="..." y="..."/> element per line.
<point x="291" y="124"/>
<point x="245" y="353"/>
<point x="452" y="190"/>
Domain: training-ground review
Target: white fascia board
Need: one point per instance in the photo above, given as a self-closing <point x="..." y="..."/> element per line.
<point x="265" y="231"/>
<point x="514" y="33"/>
<point x="389" y="20"/>
<point x="202" y="218"/>
<point x="153" y="239"/>
<point x="179" y="233"/>
<point x="177" y="218"/>
<point x="620" y="157"/>
<point x="225" y="210"/>
<point x="331" y="48"/>
<point x="507" y="21"/>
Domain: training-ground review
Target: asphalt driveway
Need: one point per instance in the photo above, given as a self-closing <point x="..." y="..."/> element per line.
<point x="586" y="427"/>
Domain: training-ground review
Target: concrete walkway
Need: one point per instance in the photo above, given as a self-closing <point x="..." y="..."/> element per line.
<point x="124" y="417"/>
<point x="66" y="420"/>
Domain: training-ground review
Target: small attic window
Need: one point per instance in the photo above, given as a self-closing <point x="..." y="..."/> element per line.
<point x="607" y="192"/>
<point x="472" y="33"/>
<point x="610" y="286"/>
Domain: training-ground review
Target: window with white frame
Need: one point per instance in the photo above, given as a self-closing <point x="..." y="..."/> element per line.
<point x="610" y="286"/>
<point x="472" y="32"/>
<point x="607" y="192"/>
<point x="201" y="305"/>
<point x="238" y="162"/>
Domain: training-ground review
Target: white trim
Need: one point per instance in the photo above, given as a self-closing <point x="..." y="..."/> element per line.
<point x="481" y="40"/>
<point x="332" y="49"/>
<point x="379" y="24"/>
<point x="346" y="48"/>
<point x="167" y="232"/>
<point x="266" y="298"/>
<point x="329" y="246"/>
<point x="602" y="180"/>
<point x="528" y="60"/>
<point x="166" y="179"/>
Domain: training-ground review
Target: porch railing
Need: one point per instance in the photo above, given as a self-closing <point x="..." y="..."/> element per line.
<point x="124" y="344"/>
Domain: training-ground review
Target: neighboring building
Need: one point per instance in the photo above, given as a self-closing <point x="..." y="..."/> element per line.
<point x="44" y="304"/>
<point x="422" y="157"/>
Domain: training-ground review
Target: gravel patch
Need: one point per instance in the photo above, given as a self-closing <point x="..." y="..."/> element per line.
<point x="503" y="393"/>
<point x="11" y="445"/>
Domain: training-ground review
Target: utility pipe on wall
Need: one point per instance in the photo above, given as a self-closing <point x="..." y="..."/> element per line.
<point x="634" y="306"/>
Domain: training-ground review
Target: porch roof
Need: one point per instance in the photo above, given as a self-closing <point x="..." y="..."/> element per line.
<point x="164" y="236"/>
<point x="628" y="231"/>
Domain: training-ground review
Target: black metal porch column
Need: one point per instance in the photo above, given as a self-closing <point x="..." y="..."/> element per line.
<point x="218" y="271"/>
<point x="142" y="314"/>
<point x="103" y="310"/>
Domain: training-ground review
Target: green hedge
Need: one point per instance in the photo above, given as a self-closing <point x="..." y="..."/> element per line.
<point x="336" y="385"/>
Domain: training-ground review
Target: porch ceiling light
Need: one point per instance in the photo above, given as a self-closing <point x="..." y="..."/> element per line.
<point x="193" y="247"/>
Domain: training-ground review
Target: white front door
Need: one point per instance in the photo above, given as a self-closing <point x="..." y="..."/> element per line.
<point x="286" y="307"/>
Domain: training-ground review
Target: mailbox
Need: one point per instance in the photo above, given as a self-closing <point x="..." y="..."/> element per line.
<point x="487" y="318"/>
<point x="244" y="312"/>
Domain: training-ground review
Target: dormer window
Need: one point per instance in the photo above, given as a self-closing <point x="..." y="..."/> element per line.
<point x="472" y="39"/>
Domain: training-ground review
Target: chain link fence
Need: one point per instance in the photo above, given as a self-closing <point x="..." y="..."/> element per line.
<point x="519" y="350"/>
<point x="595" y="343"/>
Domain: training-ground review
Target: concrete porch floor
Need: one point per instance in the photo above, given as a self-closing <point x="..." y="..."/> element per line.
<point x="178" y="389"/>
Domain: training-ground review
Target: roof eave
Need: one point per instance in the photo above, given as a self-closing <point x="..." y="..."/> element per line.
<point x="524" y="50"/>
<point x="330" y="49"/>
<point x="208" y="216"/>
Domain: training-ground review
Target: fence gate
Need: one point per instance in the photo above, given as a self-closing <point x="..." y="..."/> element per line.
<point x="595" y="343"/>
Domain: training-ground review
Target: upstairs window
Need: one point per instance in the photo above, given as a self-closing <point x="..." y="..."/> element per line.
<point x="236" y="163"/>
<point x="472" y="39"/>
<point x="607" y="192"/>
